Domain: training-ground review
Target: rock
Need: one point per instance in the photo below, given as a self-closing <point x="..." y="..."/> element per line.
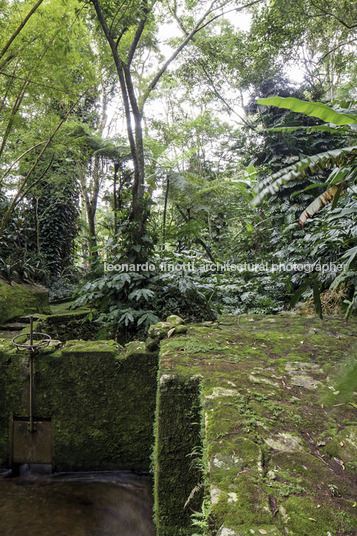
<point x="136" y="348"/>
<point x="285" y="442"/>
<point x="18" y="300"/>
<point x="226" y="461"/>
<point x="174" y="325"/>
<point x="223" y="531"/>
<point x="180" y="329"/>
<point x="300" y="367"/>
<point x="255" y="379"/>
<point x="151" y="344"/>
<point x="245" y="455"/>
<point x="299" y="372"/>
<point x="215" y="494"/>
<point x="159" y="331"/>
<point x="175" y="320"/>
<point x="306" y="381"/>
<point x="221" y="391"/>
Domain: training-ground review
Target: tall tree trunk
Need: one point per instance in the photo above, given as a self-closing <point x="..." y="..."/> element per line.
<point x="91" y="200"/>
<point x="165" y="212"/>
<point x="115" y="203"/>
<point x="133" y="114"/>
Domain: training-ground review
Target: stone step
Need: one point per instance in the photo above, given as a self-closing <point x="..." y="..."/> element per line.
<point x="8" y="334"/>
<point x="13" y="326"/>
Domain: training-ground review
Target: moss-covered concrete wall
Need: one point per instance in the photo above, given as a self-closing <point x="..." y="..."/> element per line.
<point x="69" y="325"/>
<point x="100" y="398"/>
<point x="17" y="300"/>
<point x="280" y="442"/>
<point x="177" y="457"/>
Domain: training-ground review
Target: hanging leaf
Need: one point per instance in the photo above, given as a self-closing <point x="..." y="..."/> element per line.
<point x="312" y="109"/>
<point x="320" y="202"/>
<point x="311" y="164"/>
<point x="344" y="129"/>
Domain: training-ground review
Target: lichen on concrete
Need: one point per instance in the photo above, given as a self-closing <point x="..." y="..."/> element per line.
<point x="279" y="458"/>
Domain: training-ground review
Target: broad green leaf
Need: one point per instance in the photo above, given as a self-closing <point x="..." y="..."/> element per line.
<point x="310" y="164"/>
<point x="308" y="188"/>
<point x="342" y="129"/>
<point x="312" y="109"/>
<point x="141" y="293"/>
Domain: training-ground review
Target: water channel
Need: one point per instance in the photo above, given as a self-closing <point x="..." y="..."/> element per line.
<point x="76" y="504"/>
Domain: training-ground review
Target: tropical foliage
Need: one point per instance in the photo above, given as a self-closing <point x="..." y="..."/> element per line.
<point x="173" y="133"/>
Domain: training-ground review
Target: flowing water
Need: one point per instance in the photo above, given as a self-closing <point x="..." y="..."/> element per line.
<point x="76" y="504"/>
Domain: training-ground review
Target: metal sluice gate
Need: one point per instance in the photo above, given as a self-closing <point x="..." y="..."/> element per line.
<point x="31" y="438"/>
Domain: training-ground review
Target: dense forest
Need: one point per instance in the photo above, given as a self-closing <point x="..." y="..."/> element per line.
<point x="180" y="157"/>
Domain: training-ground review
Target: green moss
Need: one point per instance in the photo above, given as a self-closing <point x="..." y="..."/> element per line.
<point x="248" y="506"/>
<point x="18" y="300"/>
<point x="249" y="368"/>
<point x="178" y="449"/>
<point x="136" y="348"/>
<point x="344" y="445"/>
<point x="179" y="329"/>
<point x="70" y="325"/>
<point x="305" y="517"/>
<point x="101" y="403"/>
<point x="313" y="473"/>
<point x="175" y="320"/>
<point x="159" y="331"/>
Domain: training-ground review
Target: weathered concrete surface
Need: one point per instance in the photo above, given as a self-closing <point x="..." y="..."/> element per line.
<point x="100" y="397"/>
<point x="279" y="410"/>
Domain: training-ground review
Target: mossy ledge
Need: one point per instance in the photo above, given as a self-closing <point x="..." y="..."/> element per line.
<point x="252" y="414"/>
<point x="18" y="300"/>
<point x="178" y="450"/>
<point x="280" y="427"/>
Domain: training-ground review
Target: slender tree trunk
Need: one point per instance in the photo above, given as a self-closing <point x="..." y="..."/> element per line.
<point x="90" y="201"/>
<point x="37" y="228"/>
<point x="20" y="27"/>
<point x="139" y="212"/>
<point x="165" y="212"/>
<point x="115" y="203"/>
<point x="198" y="240"/>
<point x="85" y="254"/>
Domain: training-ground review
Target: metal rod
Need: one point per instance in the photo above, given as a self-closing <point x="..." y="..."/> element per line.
<point x="31" y="427"/>
<point x="31" y="330"/>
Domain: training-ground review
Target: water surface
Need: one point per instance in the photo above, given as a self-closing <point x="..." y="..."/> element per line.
<point x="77" y="504"/>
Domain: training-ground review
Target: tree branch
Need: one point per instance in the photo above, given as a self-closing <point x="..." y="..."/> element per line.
<point x="199" y="26"/>
<point x="336" y="48"/>
<point x="19" y="195"/>
<point x="317" y="6"/>
<point x="220" y="97"/>
<point x="20" y="27"/>
<point x="141" y="26"/>
<point x="18" y="159"/>
<point x="119" y="68"/>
